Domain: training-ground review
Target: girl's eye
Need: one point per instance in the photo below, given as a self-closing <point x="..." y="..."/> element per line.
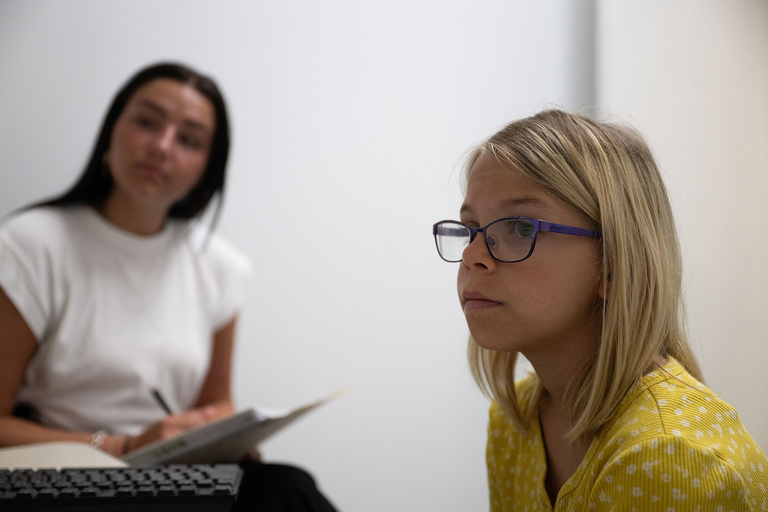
<point x="524" y="229"/>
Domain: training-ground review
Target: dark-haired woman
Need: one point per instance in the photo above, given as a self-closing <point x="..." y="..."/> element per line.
<point x="112" y="289"/>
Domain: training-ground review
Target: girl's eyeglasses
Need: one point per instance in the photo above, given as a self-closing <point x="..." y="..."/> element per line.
<point x="509" y="240"/>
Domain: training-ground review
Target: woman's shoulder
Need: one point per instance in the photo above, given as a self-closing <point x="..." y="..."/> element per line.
<point x="32" y="218"/>
<point x="217" y="251"/>
<point x="39" y="226"/>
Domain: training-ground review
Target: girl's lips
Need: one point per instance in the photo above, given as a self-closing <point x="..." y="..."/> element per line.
<point x="475" y="304"/>
<point x="478" y="301"/>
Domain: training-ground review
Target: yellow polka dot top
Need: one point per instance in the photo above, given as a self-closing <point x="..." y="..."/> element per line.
<point x="672" y="446"/>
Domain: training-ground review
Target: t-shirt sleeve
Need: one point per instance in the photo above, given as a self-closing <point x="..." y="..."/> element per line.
<point x="669" y="473"/>
<point x="232" y="272"/>
<point x="26" y="273"/>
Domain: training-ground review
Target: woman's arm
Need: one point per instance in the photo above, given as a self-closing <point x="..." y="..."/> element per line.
<point x="216" y="390"/>
<point x="17" y="347"/>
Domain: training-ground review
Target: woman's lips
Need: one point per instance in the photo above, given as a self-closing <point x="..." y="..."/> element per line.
<point x="153" y="171"/>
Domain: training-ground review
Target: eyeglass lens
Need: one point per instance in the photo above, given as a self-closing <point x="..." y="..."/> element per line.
<point x="508" y="240"/>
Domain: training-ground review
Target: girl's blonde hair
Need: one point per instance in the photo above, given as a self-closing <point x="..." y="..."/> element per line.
<point x="606" y="172"/>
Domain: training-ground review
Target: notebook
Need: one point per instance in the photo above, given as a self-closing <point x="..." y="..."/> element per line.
<point x="226" y="440"/>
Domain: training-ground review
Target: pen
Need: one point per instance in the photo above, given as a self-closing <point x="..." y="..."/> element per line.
<point x="159" y="399"/>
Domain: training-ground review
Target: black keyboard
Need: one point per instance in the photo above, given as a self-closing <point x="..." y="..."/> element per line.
<point x="180" y="487"/>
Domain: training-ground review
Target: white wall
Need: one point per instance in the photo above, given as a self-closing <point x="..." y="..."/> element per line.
<point x="349" y="121"/>
<point x="693" y="76"/>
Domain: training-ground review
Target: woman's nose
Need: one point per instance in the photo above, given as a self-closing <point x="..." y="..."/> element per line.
<point x="164" y="139"/>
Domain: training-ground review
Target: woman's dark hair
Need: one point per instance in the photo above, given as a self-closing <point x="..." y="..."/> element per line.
<point x="94" y="185"/>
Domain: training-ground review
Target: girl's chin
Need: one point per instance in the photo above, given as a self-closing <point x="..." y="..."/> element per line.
<point x="492" y="343"/>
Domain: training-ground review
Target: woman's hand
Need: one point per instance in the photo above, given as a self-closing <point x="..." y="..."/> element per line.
<point x="252" y="455"/>
<point x="175" y="424"/>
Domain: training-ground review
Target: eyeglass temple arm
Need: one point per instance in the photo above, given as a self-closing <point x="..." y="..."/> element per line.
<point x="568" y="230"/>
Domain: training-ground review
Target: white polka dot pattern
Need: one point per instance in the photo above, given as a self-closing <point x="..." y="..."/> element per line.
<point x="673" y="446"/>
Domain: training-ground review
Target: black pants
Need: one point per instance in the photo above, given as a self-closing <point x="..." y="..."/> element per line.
<point x="279" y="488"/>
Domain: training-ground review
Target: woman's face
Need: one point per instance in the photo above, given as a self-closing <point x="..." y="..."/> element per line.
<point x="160" y="144"/>
<point x="541" y="306"/>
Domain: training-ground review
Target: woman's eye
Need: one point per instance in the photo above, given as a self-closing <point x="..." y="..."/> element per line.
<point x="146" y="122"/>
<point x="190" y="142"/>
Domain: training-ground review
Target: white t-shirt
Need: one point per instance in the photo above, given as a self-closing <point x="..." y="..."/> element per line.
<point x="116" y="314"/>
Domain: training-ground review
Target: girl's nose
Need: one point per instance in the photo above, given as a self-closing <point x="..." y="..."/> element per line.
<point x="477" y="253"/>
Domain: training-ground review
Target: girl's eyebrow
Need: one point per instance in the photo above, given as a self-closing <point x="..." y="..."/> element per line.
<point x="527" y="201"/>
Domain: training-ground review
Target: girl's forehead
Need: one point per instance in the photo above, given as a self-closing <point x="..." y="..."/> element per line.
<point x="489" y="178"/>
<point x="497" y="190"/>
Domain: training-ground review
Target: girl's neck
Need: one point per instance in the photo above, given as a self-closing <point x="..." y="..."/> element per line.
<point x="556" y="372"/>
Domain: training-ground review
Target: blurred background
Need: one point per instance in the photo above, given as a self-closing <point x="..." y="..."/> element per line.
<point x="351" y="120"/>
